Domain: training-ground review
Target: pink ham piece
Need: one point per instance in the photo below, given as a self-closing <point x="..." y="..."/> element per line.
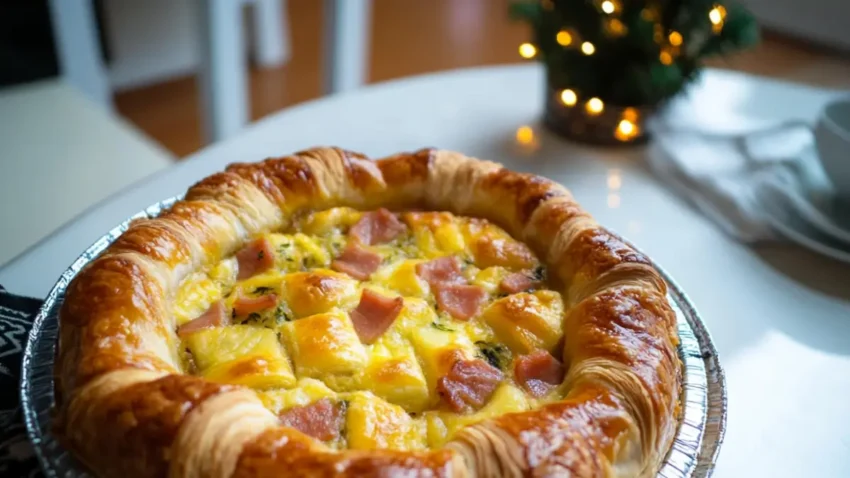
<point x="538" y="372"/>
<point x="468" y="385"/>
<point x="517" y="282"/>
<point x="244" y="306"/>
<point x="374" y="315"/>
<point x="444" y="270"/>
<point x="215" y="316"/>
<point x="377" y="227"/>
<point x="255" y="258"/>
<point x="322" y="419"/>
<point x="459" y="300"/>
<point x="356" y="261"/>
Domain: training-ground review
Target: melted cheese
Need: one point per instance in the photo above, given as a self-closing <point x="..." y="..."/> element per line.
<point x="241" y="354"/>
<point x="319" y="291"/>
<point x="527" y="321"/>
<point x="306" y="347"/>
<point x="325" y="346"/>
<point x="441" y="426"/>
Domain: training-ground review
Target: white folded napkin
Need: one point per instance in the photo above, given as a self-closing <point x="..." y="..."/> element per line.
<point x="721" y="175"/>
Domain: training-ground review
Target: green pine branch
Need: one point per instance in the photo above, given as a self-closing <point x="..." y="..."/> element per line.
<point x="629" y="66"/>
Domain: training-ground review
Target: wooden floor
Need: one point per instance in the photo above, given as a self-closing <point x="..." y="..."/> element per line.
<point x="414" y="37"/>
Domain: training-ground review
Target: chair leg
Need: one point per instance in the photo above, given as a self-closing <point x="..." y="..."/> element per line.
<point x="224" y="95"/>
<point x="346" y="44"/>
<point x="78" y="48"/>
<point x="271" y="33"/>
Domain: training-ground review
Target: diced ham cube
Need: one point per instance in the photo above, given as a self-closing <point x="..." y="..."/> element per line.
<point x="459" y="300"/>
<point x="468" y="385"/>
<point x="518" y="282"/>
<point x="374" y="315"/>
<point x="215" y="316"/>
<point x="538" y="372"/>
<point x="255" y="258"/>
<point x="377" y="227"/>
<point x="443" y="270"/>
<point x="322" y="419"/>
<point x="244" y="306"/>
<point x="356" y="261"/>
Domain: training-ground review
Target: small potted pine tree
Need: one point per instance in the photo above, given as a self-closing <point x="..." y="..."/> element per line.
<point x="612" y="63"/>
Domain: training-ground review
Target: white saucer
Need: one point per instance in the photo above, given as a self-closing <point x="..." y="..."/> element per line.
<point x="796" y="227"/>
<point x="824" y="212"/>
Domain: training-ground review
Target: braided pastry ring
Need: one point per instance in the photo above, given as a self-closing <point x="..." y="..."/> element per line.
<point x="126" y="409"/>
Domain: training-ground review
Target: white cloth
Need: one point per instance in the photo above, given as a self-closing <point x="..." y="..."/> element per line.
<point x="721" y="175"/>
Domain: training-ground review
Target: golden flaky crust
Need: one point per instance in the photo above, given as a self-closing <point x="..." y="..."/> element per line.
<point x="125" y="408"/>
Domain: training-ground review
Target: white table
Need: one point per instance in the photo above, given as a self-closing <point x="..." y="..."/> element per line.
<point x="780" y="316"/>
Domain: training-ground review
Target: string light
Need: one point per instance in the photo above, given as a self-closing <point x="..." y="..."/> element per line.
<point x="658" y="33"/>
<point x="675" y="38"/>
<point x="626" y="130"/>
<point x="616" y="27"/>
<point x="594" y="106"/>
<point x="665" y="58"/>
<point x="717" y="14"/>
<point x="630" y="114"/>
<point x="569" y="97"/>
<point x="649" y="14"/>
<point x="527" y="50"/>
<point x="587" y="48"/>
<point x="525" y="135"/>
<point x="564" y="38"/>
<point x="608" y="7"/>
<point x="615" y="179"/>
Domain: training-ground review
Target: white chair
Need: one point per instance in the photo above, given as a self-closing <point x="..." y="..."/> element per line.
<point x="67" y="150"/>
<point x="62" y="153"/>
<point x="346" y="33"/>
<point x="224" y="96"/>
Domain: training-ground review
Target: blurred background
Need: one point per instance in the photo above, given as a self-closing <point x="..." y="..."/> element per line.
<point x="96" y="95"/>
<point x="152" y="51"/>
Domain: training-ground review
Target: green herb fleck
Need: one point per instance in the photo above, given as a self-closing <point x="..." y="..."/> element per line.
<point x="344" y="405"/>
<point x="261" y="255"/>
<point x="282" y="315"/>
<point x="539" y="273"/>
<point x="442" y="327"/>
<point x="496" y="355"/>
<point x="309" y="262"/>
<point x="262" y="290"/>
<point x="336" y="244"/>
<point x="253" y="317"/>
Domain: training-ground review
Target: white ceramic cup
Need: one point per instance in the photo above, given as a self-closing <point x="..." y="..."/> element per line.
<point x="832" y="138"/>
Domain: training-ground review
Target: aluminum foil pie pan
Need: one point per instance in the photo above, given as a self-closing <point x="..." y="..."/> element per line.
<point x="693" y="453"/>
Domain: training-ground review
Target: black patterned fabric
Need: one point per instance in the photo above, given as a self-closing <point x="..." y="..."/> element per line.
<point x="16" y="454"/>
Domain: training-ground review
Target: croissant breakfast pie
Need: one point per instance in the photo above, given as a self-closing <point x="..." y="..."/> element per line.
<point x="322" y="314"/>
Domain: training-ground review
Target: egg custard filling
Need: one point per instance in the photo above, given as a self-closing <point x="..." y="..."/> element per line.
<point x="369" y="330"/>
